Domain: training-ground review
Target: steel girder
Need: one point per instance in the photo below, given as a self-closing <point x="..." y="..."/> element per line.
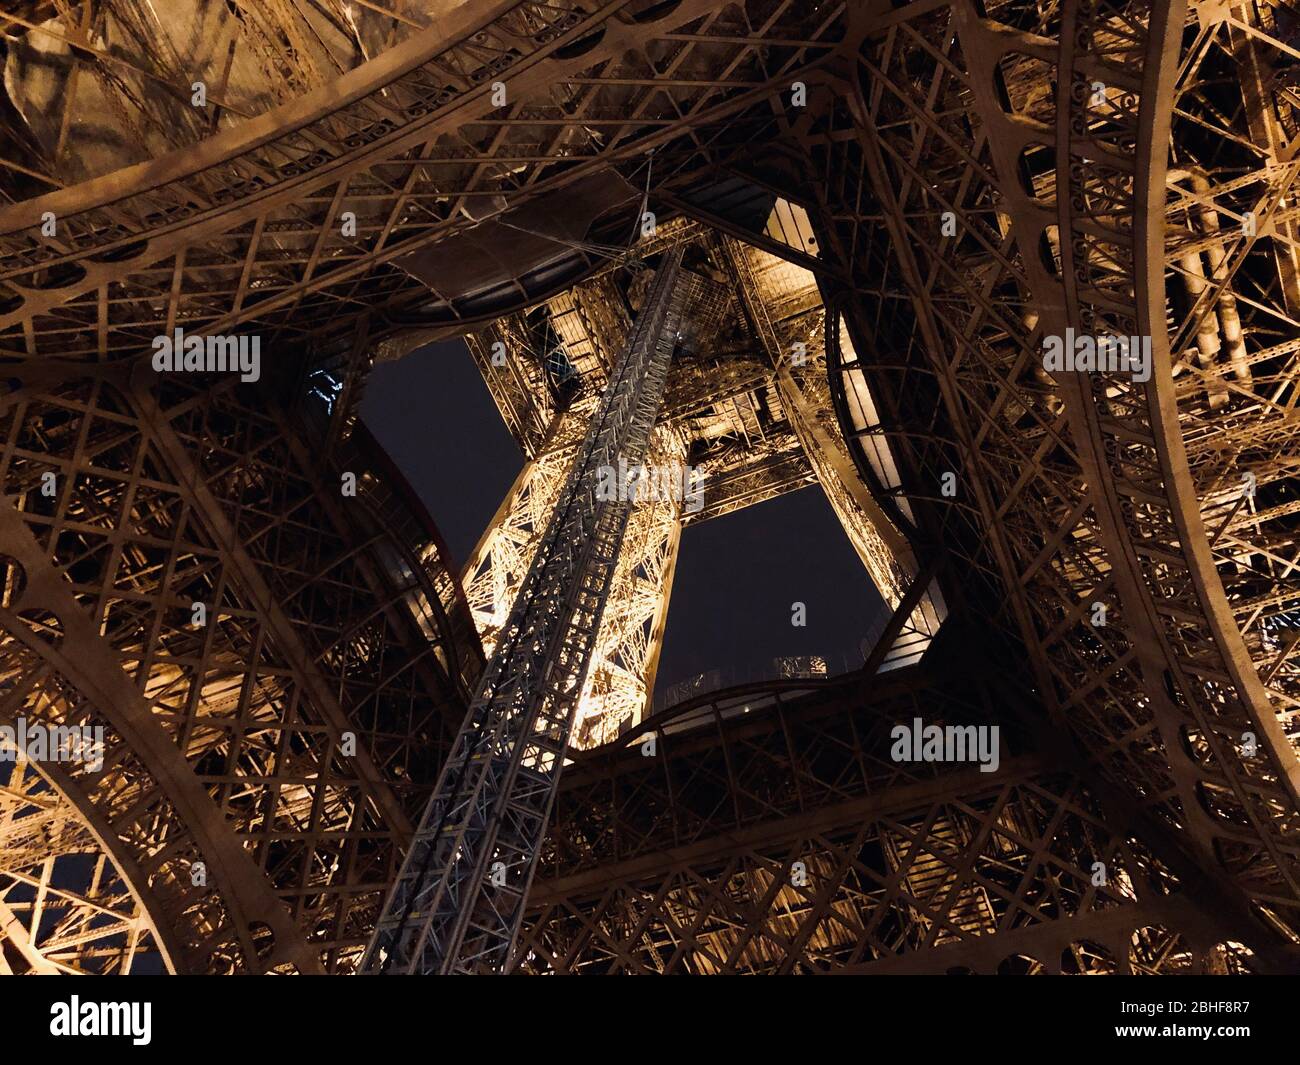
<point x="885" y="553"/>
<point x="244" y="230"/>
<point x="684" y="860"/>
<point x="590" y="323"/>
<point x="631" y="631"/>
<point x="227" y="743"/>
<point x="1075" y="489"/>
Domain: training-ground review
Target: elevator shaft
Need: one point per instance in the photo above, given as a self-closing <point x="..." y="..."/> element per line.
<point x="458" y="902"/>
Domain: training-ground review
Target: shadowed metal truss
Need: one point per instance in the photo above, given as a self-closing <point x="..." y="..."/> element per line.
<point x="225" y="742"/>
<point x="977" y="177"/>
<point x="1080" y="489"/>
<point x="769" y="835"/>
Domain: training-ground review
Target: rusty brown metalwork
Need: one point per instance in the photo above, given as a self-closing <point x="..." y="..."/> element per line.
<point x="978" y="177"/>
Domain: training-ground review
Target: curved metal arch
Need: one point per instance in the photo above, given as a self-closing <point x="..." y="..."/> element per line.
<point x="1099" y="439"/>
<point x="122" y="862"/>
<point x="1166" y="688"/>
<point x="195" y="828"/>
<point x="393" y="112"/>
<point x="231" y="740"/>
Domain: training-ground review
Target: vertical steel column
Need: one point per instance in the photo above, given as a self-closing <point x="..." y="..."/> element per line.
<point x="458" y="902"/>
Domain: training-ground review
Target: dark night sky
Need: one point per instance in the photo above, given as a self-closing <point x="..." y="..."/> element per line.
<point x="737" y="576"/>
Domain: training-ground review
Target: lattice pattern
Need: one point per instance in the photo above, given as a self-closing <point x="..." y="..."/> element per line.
<point x="684" y="862"/>
<point x="252" y="216"/>
<point x="224" y="740"/>
<point x="64" y="907"/>
<point x="1076" y="491"/>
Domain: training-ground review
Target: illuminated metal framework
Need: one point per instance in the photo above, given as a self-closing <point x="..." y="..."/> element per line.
<point x="750" y="418"/>
<point x="963" y="180"/>
<point x="1078" y="489"/>
<point x="622" y="676"/>
<point x="64" y="907"/>
<point x="770" y="836"/>
<point x="227" y="803"/>
<point x="459" y="899"/>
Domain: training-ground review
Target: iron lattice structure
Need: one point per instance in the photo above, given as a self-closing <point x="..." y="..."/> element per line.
<point x="749" y="416"/>
<point x="459" y="899"/>
<point x="905" y="869"/>
<point x="961" y="181"/>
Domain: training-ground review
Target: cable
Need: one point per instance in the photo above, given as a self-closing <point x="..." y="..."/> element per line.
<point x="645" y="197"/>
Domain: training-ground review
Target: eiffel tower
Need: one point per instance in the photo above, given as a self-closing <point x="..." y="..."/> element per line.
<point x="255" y="720"/>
